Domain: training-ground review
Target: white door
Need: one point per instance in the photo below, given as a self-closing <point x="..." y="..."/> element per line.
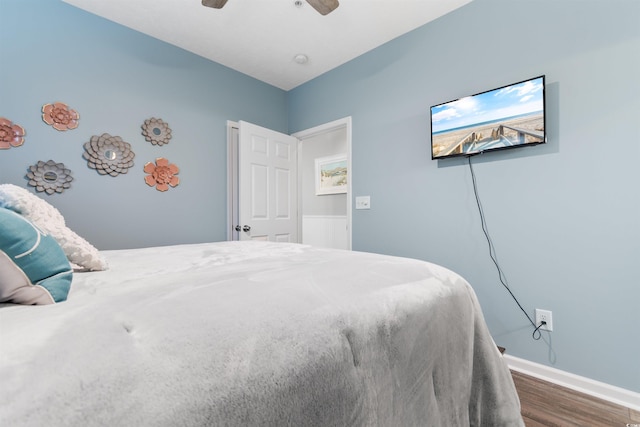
<point x="267" y="185"/>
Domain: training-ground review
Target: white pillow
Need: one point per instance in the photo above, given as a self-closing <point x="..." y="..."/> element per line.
<point x="51" y="221"/>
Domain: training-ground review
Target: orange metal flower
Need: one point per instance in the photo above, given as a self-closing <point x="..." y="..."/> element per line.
<point x="11" y="135"/>
<point x="60" y="116"/>
<point x="162" y="174"/>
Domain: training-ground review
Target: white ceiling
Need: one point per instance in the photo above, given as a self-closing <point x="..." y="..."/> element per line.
<point x="260" y="38"/>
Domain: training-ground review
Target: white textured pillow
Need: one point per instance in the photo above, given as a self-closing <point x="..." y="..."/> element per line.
<point x="51" y="221"/>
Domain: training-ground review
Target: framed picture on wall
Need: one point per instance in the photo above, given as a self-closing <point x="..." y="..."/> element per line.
<point x="331" y="175"/>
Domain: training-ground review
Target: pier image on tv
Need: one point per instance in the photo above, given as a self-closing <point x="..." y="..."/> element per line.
<point x="506" y="117"/>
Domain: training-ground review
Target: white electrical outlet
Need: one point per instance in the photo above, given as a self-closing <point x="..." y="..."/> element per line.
<point x="544" y="315"/>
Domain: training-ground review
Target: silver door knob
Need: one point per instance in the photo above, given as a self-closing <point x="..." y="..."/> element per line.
<point x="246" y="228"/>
<point x="238" y="228"/>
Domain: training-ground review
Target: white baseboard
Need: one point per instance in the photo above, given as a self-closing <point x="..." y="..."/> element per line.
<point x="585" y="385"/>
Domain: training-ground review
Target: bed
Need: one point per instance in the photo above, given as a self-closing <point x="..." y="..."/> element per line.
<point x="254" y="334"/>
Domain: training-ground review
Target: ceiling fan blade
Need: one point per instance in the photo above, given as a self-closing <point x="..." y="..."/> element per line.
<point x="216" y="4"/>
<point x="323" y="6"/>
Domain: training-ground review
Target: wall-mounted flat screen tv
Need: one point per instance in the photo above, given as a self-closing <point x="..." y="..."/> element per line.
<point x="506" y="117"/>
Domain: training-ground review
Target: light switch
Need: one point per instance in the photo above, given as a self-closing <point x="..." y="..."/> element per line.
<point x="363" y="202"/>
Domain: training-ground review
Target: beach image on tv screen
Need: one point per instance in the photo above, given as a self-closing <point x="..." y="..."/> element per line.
<point x="501" y="118"/>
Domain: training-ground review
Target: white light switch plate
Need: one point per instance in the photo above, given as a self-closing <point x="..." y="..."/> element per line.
<point x="363" y="202"/>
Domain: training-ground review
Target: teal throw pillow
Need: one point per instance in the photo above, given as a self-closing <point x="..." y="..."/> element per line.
<point x="33" y="267"/>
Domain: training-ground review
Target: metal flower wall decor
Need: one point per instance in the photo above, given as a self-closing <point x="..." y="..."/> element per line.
<point x="50" y="177"/>
<point x="108" y="155"/>
<point x="156" y="131"/>
<point x="162" y="174"/>
<point x="11" y="134"/>
<point x="60" y="116"/>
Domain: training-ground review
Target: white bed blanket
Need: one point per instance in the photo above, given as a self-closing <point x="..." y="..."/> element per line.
<point x="255" y="334"/>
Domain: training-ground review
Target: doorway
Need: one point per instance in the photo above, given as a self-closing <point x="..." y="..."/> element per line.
<point x="322" y="220"/>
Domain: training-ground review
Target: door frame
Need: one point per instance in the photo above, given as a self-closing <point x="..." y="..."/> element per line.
<point x="344" y="122"/>
<point x="233" y="129"/>
<point x="232" y="173"/>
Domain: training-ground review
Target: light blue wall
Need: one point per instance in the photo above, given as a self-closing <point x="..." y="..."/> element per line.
<point x="564" y="217"/>
<point x="116" y="78"/>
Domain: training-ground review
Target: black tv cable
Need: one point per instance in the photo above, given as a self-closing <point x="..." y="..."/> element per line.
<point x="492" y="254"/>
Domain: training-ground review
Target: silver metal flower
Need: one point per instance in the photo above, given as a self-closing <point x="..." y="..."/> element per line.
<point x="156" y="131"/>
<point x="50" y="177"/>
<point x="108" y="155"/>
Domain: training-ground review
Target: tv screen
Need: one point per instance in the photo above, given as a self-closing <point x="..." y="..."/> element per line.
<point x="506" y="117"/>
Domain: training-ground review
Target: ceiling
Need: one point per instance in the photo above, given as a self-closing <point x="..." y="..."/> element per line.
<point x="261" y="38"/>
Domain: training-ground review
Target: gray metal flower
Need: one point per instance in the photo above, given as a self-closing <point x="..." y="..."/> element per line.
<point x="156" y="131"/>
<point x="108" y="155"/>
<point x="50" y="177"/>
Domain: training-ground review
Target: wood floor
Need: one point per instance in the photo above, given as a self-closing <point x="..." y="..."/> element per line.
<point x="547" y="404"/>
